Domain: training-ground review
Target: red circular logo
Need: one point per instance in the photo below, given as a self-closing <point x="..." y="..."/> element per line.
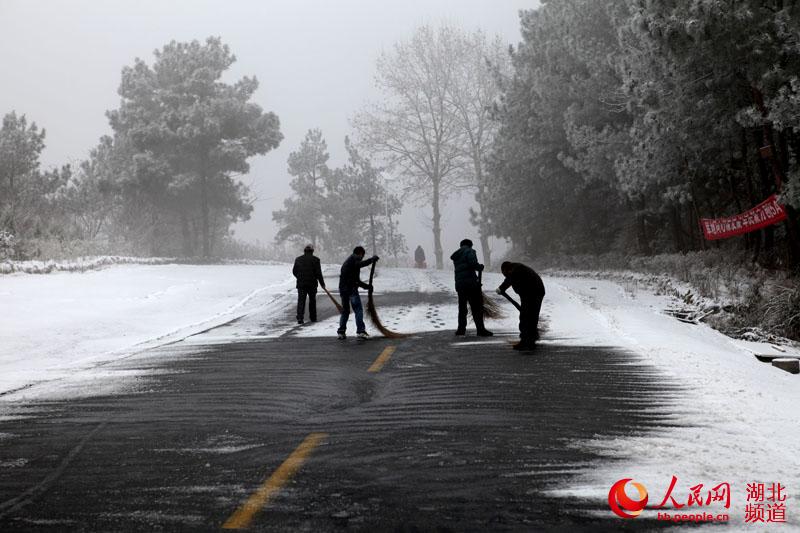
<point x="622" y="505"/>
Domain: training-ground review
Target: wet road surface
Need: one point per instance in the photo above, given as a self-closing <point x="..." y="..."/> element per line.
<point x="447" y="435"/>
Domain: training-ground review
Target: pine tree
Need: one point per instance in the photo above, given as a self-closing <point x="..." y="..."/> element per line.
<point x="192" y="133"/>
<point x="301" y="219"/>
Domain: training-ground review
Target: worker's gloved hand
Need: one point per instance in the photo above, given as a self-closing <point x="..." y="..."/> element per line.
<point x="375" y="257"/>
<point x="498" y="290"/>
<point x="370" y="287"/>
<point x="323" y="285"/>
<point x="480" y="268"/>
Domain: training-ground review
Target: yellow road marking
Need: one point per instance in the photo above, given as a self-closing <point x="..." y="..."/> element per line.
<point x="244" y="515"/>
<point x="381" y="360"/>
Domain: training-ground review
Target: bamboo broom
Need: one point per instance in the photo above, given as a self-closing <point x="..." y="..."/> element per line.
<point x="335" y="303"/>
<point x="490" y="308"/>
<point x="373" y="313"/>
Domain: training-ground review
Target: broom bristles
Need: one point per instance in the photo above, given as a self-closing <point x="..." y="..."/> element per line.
<point x="373" y="316"/>
<point x="491" y="309"/>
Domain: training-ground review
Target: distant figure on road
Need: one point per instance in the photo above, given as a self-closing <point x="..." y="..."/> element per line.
<point x="527" y="283"/>
<point x="419" y="257"/>
<point x="308" y="271"/>
<point x="349" y="282"/>
<point x="468" y="288"/>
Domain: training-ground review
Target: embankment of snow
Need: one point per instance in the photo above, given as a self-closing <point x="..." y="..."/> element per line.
<point x="55" y="325"/>
<point x="85" y="264"/>
<point x="736" y="419"/>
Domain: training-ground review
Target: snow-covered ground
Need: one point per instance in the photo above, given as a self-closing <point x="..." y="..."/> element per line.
<point x="58" y="325"/>
<point x="738" y="418"/>
<point x="736" y="421"/>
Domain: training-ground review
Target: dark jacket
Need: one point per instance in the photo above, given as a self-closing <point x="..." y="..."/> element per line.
<point x="465" y="262"/>
<point x="308" y="271"/>
<point x="349" y="278"/>
<point x="524" y="280"/>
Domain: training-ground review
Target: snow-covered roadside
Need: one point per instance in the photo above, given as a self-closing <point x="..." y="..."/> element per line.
<point x="738" y="416"/>
<point x="58" y="325"/>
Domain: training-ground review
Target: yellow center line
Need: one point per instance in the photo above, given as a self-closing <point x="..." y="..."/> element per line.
<point x="381" y="360"/>
<point x="244" y="515"/>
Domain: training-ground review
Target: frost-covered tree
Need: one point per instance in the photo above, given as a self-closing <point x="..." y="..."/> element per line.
<point x="414" y="129"/>
<point x="701" y="78"/>
<point x="481" y="65"/>
<point x="359" y="208"/>
<point x="301" y="217"/>
<point x="192" y="133"/>
<point x="338" y="208"/>
<point x="551" y="188"/>
<point x="21" y="145"/>
<point x="28" y="195"/>
<point x="627" y="121"/>
<point x="92" y="194"/>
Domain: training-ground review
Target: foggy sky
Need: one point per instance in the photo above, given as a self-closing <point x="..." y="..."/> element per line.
<point x="61" y="65"/>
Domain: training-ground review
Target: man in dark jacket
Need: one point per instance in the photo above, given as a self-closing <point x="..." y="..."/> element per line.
<point x="465" y="262"/>
<point x="349" y="282"/>
<point x="308" y="271"/>
<point x="530" y="288"/>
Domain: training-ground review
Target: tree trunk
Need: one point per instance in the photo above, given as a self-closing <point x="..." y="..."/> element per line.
<point x="12" y="207"/>
<point x="480" y="198"/>
<point x="372" y="233"/>
<point x="187" y="236"/>
<point x="767" y="185"/>
<point x="753" y="238"/>
<point x="390" y="236"/>
<point x="781" y="169"/>
<point x="487" y="252"/>
<point x="153" y="231"/>
<point x="677" y="238"/>
<point x="641" y="226"/>
<point x="205" y="215"/>
<point x="437" y="230"/>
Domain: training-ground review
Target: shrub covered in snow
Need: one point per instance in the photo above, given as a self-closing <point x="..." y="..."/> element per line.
<point x="724" y="287"/>
<point x="81" y="264"/>
<point x="84" y="264"/>
<point x="7" y="245"/>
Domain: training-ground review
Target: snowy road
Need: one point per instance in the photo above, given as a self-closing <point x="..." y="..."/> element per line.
<point x="460" y="434"/>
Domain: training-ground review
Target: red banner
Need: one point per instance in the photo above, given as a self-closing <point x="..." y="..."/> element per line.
<point x="764" y="214"/>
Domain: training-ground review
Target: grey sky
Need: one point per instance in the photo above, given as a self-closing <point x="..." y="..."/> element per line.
<point x="61" y="64"/>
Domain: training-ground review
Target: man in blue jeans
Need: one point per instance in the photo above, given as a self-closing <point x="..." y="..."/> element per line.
<point x="349" y="282"/>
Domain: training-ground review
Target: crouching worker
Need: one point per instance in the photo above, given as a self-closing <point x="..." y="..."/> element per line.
<point x="465" y="263"/>
<point x="349" y="282"/>
<point x="530" y="288"/>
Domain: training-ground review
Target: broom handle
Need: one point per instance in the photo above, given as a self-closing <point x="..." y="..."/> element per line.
<point x="510" y="299"/>
<point x="335" y="303"/>
<point x="371" y="274"/>
<point x="480" y="277"/>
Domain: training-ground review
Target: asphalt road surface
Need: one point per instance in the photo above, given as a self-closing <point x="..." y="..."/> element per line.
<point x="428" y="433"/>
